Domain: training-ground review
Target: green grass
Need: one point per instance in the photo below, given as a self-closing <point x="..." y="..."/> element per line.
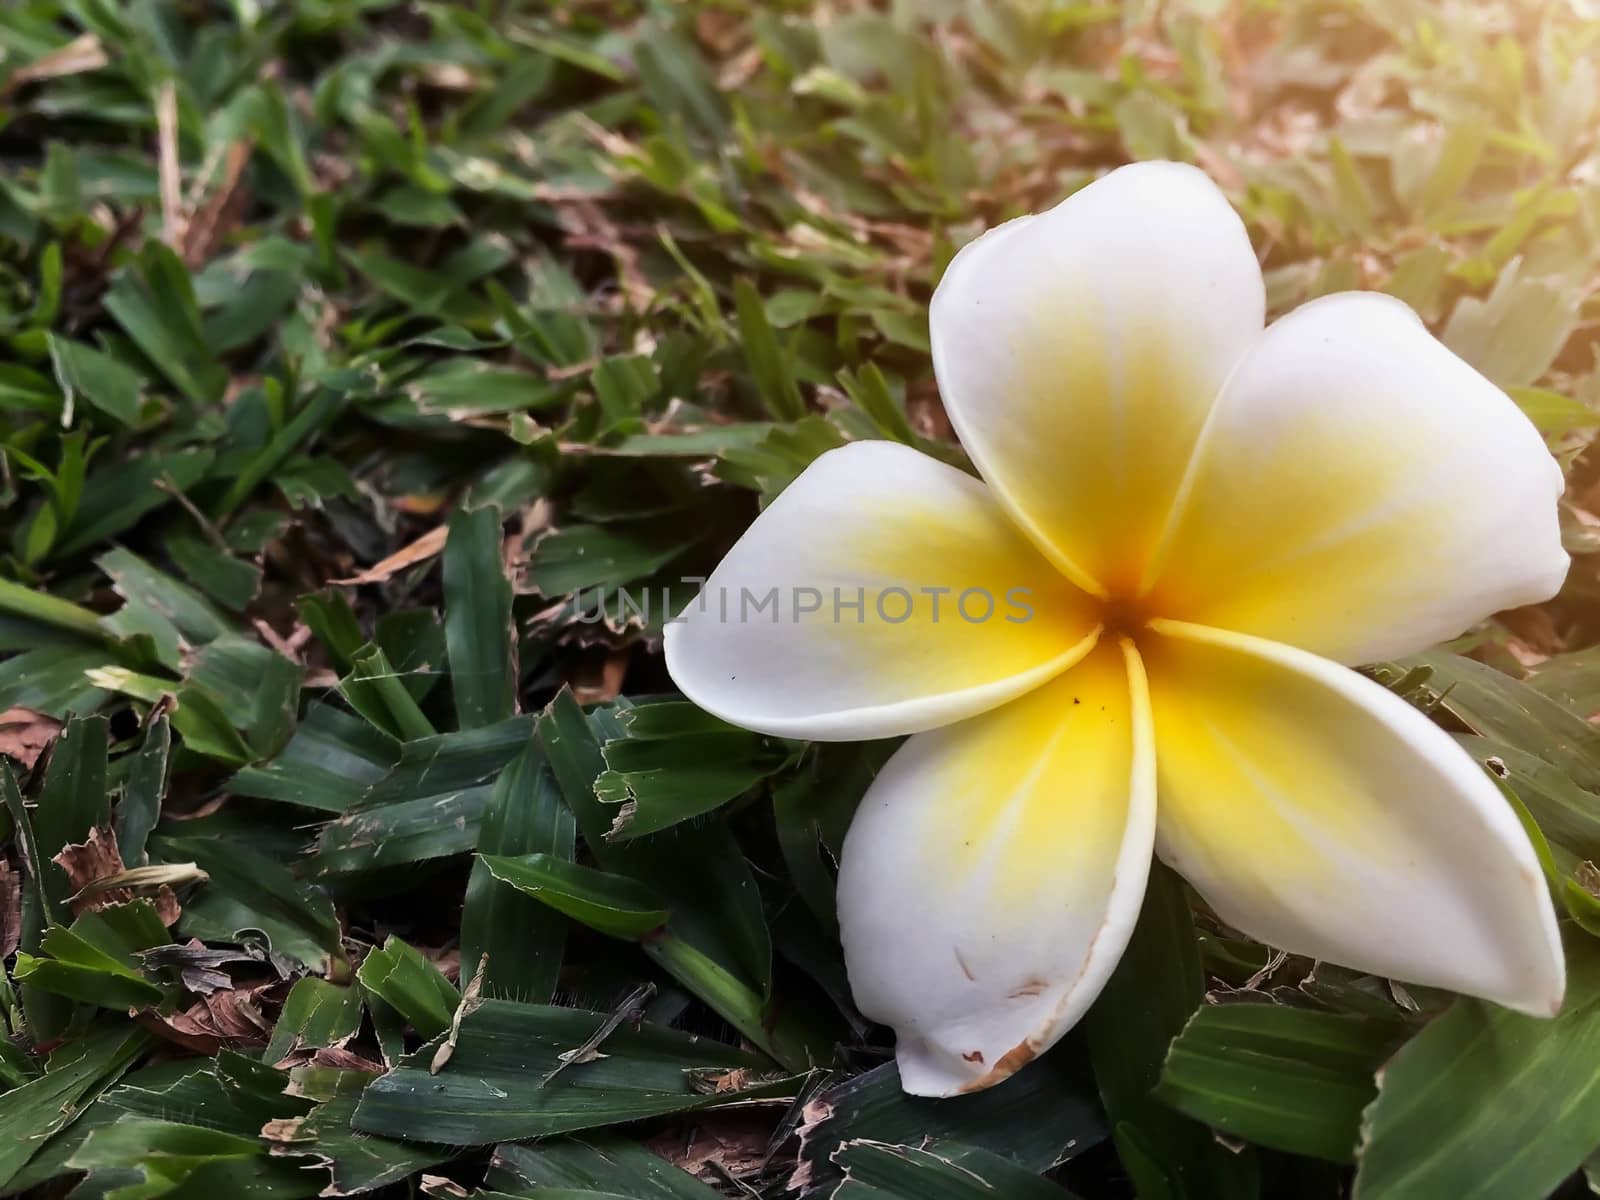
<point x="356" y="357"/>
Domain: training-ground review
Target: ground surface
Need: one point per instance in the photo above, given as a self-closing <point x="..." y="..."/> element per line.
<point x="354" y="354"/>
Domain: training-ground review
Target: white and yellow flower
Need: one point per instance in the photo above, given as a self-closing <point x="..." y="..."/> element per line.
<point x="1188" y="529"/>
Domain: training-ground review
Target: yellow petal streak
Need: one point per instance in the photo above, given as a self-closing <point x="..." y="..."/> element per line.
<point x="950" y="599"/>
<point x="1318" y="812"/>
<point x="1040" y="786"/>
<point x="994" y="872"/>
<point x="1078" y="352"/>
<point x="1359" y="492"/>
<point x="883" y="593"/>
<point x="1248" y="771"/>
<point x="1120" y="416"/>
<point x="1309" y="542"/>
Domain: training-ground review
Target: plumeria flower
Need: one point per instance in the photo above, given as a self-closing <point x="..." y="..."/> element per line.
<point x="1136" y="633"/>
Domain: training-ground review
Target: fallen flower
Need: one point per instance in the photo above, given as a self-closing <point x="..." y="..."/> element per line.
<point x="1196" y="526"/>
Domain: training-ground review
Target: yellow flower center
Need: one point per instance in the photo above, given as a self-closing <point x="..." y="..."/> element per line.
<point x="1126" y="615"/>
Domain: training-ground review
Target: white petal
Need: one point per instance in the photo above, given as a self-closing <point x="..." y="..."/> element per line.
<point x="1361" y="492"/>
<point x="994" y="873"/>
<point x="1078" y="352"/>
<point x="1320" y="813"/>
<point x="930" y="606"/>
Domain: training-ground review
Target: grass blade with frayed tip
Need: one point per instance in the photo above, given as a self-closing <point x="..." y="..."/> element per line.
<point x="716" y="909"/>
<point x="1292" y="1079"/>
<point x="1492" y="703"/>
<point x="328" y="765"/>
<point x="1036" y="1118"/>
<point x="935" y="1171"/>
<point x="449" y="762"/>
<point x="174" y="615"/>
<point x="163" y="1155"/>
<point x="104" y="382"/>
<point x="71" y="967"/>
<point x="1488" y="1104"/>
<point x="678" y="763"/>
<point x="315" y="1013"/>
<point x="374" y="689"/>
<point x="333" y="623"/>
<point x="32" y="1113"/>
<point x="429" y="805"/>
<point x="197" y="715"/>
<point x="716" y="942"/>
<point x="610" y="904"/>
<point x="610" y="1164"/>
<point x="411" y="985"/>
<point x="357" y="1162"/>
<point x="492" y="1089"/>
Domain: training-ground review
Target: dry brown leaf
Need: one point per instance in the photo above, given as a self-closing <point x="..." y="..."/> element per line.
<point x="572" y="371"/>
<point x="594" y="681"/>
<point x="237" y="1012"/>
<point x="1535" y="636"/>
<point x="182" y="1029"/>
<point x="471" y="1000"/>
<point x="339" y="1058"/>
<point x="228" y="1018"/>
<point x="424" y="548"/>
<point x="289" y="646"/>
<point x="77" y="57"/>
<point x="88" y="861"/>
<point x="812" y="1116"/>
<point x="199" y="966"/>
<point x="419" y="504"/>
<point x="25" y="734"/>
<point x="284" y="1130"/>
<point x="157" y="881"/>
<point x="10" y="910"/>
<point x="630" y="1009"/>
<point x="925" y="410"/>
<point x="99" y="879"/>
<point x="213" y="221"/>
<point x="450" y="77"/>
<point x="1587" y="876"/>
<point x="734" y="1143"/>
<point x="169" y="168"/>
